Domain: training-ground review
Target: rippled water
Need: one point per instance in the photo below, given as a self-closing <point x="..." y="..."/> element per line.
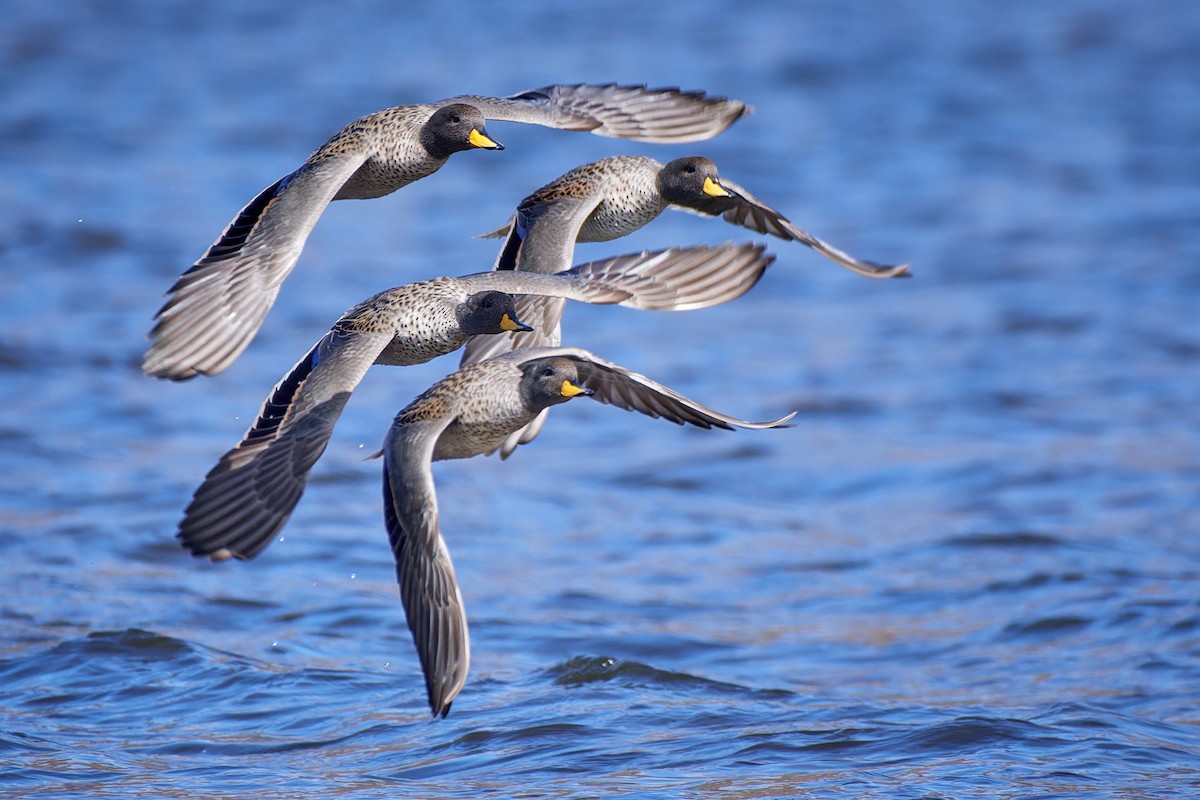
<point x="969" y="570"/>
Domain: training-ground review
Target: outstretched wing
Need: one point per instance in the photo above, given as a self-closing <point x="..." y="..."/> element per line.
<point x="675" y="279"/>
<point x="617" y="386"/>
<point x="428" y="588"/>
<point x="678" y="278"/>
<point x="744" y="209"/>
<point x="215" y="308"/>
<point x="250" y="494"/>
<point x="638" y="113"/>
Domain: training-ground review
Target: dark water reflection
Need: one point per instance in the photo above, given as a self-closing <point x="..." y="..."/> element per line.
<point x="969" y="570"/>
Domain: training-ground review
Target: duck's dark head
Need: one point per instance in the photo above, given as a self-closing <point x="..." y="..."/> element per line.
<point x="550" y="381"/>
<point x="489" y="312"/>
<point x="454" y="128"/>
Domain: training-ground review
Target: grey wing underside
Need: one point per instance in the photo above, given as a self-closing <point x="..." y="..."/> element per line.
<point x="541" y="241"/>
<point x="679" y="278"/>
<point x="617" y="386"/>
<point x="428" y="588"/>
<point x="215" y="308"/>
<point x="544" y="234"/>
<point x="637" y="113"/>
<point x="249" y="495"/>
<point x="747" y="211"/>
<point x="671" y="279"/>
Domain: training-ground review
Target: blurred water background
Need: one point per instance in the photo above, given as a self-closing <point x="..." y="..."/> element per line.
<point x="969" y="570"/>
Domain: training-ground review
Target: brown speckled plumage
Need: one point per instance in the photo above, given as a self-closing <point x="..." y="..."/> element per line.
<point x="616" y="196"/>
<point x="420" y="320"/>
<point x="481" y="409"/>
<point x="622" y="194"/>
<point x="215" y="308"/>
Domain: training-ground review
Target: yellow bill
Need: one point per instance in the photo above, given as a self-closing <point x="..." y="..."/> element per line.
<point x="714" y="189"/>
<point x="571" y="390"/>
<point x="507" y="323"/>
<point x="478" y="139"/>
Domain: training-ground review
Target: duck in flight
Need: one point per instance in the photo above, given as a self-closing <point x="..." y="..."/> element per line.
<point x="215" y="308"/>
<point x="251" y="492"/>
<point x="611" y="198"/>
<point x="471" y="413"/>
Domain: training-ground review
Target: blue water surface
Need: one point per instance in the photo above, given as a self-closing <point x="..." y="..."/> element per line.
<point x="969" y="570"/>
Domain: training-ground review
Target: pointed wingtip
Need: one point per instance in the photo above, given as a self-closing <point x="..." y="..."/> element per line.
<point x="783" y="422"/>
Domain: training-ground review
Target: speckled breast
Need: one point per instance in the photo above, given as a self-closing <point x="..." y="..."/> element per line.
<point x="424" y="331"/>
<point x="630" y="201"/>
<point x="394" y="154"/>
<point x="419" y="316"/>
<point x="487" y="408"/>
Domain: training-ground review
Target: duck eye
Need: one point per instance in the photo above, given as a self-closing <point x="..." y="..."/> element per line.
<point x="548" y="372"/>
<point x="455" y="119"/>
<point x="690" y="168"/>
